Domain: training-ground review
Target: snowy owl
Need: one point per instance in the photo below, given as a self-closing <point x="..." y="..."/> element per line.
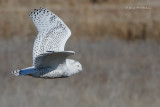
<point x="49" y="58"/>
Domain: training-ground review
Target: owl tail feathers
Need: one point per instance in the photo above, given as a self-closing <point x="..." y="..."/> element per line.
<point x="21" y="72"/>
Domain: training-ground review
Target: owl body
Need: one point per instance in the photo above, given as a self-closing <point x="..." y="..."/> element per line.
<point x="49" y="58"/>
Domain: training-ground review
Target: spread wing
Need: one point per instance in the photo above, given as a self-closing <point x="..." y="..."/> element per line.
<point x="52" y="59"/>
<point x="52" y="32"/>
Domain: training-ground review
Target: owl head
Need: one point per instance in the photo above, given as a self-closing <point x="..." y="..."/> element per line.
<point x="73" y="66"/>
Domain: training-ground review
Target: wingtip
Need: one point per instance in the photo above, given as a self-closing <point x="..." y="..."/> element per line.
<point x="36" y="11"/>
<point x="72" y="52"/>
<point x="33" y="12"/>
<point x="41" y="8"/>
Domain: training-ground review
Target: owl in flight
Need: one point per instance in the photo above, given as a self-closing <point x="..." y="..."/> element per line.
<point x="49" y="58"/>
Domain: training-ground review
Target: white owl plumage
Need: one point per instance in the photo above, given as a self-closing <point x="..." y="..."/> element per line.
<point x="49" y="57"/>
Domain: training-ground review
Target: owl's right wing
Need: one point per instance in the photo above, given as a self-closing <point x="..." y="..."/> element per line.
<point x="52" y="58"/>
<point x="52" y="32"/>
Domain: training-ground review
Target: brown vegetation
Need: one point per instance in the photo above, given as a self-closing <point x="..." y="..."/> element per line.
<point x="85" y="18"/>
<point x="115" y="74"/>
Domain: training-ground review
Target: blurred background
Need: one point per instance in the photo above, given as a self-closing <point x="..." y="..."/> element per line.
<point x="116" y="41"/>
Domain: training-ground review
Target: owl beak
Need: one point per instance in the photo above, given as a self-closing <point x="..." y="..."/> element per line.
<point x="80" y="69"/>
